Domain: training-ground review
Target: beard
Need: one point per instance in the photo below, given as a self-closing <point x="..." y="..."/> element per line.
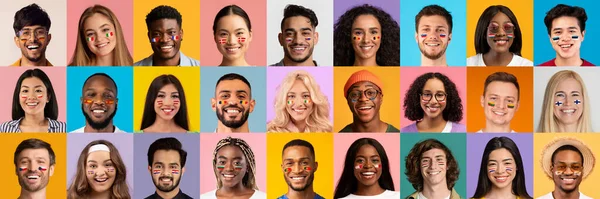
<point x="433" y="56"/>
<point x="101" y="124"/>
<point x="300" y="60"/>
<point x="33" y="188"/>
<point x="308" y="183"/>
<point x="233" y="123"/>
<point x="25" y="53"/>
<point x="166" y="188"/>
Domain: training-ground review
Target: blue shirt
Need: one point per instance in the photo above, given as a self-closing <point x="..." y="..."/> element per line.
<point x="317" y="196"/>
<point x="183" y="61"/>
<point x="54" y="126"/>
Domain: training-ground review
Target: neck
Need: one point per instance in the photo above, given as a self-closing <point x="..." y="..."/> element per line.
<point x="570" y="128"/>
<point x="288" y="62"/>
<point x="308" y="193"/>
<point x="375" y="125"/>
<point x="238" y="62"/>
<point x="166" y="62"/>
<point x="235" y="190"/>
<point x="563" y="195"/>
<point x="575" y="60"/>
<point x="165" y="126"/>
<point x="110" y="128"/>
<point x="432" y="123"/>
<point x="221" y="128"/>
<point x="372" y="190"/>
<point x="430" y="62"/>
<point x="504" y="192"/>
<point x="101" y="195"/>
<point x="491" y="127"/>
<point x="27" y="62"/>
<point x="372" y="61"/>
<point x="436" y="191"/>
<point x="34" y="120"/>
<point x="493" y="58"/>
<point x="106" y="60"/>
<point x="41" y="194"/>
<point x="300" y="125"/>
<point x="171" y="194"/>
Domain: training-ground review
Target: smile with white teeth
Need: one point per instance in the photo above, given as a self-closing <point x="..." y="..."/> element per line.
<point x="366" y="47"/>
<point x="566" y="45"/>
<point x="32" y="103"/>
<point x="101" y="45"/>
<point x="228" y="175"/>
<point x="166" y="47"/>
<point x="298" y="48"/>
<point x="568" y="111"/>
<point x="368" y="173"/>
<point x="499" y="113"/>
<point x="232" y="49"/>
<point x="567" y="180"/>
<point x="33" y="47"/>
<point x="298" y="178"/>
<point x="432" y="45"/>
<point x="100" y="179"/>
<point x="433" y="172"/>
<point x="33" y="177"/>
<point x="168" y="110"/>
<point x="501" y="42"/>
<point x="166" y="179"/>
<point x="233" y="111"/>
<point x="98" y="111"/>
<point x="362" y="108"/>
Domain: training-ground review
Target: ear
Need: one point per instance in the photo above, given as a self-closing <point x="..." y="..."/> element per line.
<point x="150" y="170"/>
<point x="417" y="37"/>
<point x="213" y="104"/>
<point x="316" y="167"/>
<point x="280" y="38"/>
<point x="582" y="35"/>
<point x="252" y="104"/>
<point x="81" y="99"/>
<point x="481" y="101"/>
<point x="316" y="38"/>
<point x="517" y="105"/>
<point x="182" y="171"/>
<point x="250" y="37"/>
<point x="51" y="169"/>
<point x="17" y="42"/>
<point x="449" y="37"/>
<point x="149" y="36"/>
<point x="48" y="38"/>
<point x="181" y="35"/>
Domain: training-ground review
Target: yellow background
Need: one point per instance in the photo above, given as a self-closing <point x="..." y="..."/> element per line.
<point x="389" y="111"/>
<point x="189" y="78"/>
<point x="323" y="144"/>
<point x="544" y="185"/>
<point x="57" y="184"/>
<point x="190" y="22"/>
<point x="523" y="10"/>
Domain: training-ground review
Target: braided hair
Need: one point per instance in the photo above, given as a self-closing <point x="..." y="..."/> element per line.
<point x="249" y="179"/>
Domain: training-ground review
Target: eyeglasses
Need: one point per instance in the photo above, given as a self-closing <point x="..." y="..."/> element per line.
<point x="439" y="96"/>
<point x="38" y="33"/>
<point x="509" y="28"/>
<point x="369" y="93"/>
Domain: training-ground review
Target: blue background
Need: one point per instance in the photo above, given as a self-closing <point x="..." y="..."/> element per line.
<point x="257" y="120"/>
<point x="123" y="76"/>
<point x="543" y="50"/>
<point x="410" y="55"/>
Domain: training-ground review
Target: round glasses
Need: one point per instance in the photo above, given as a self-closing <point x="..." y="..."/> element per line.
<point x="369" y="93"/>
<point x="439" y="96"/>
<point x="508" y="28"/>
<point x="26" y="34"/>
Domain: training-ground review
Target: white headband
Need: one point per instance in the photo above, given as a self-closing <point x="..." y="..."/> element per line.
<point x="98" y="147"/>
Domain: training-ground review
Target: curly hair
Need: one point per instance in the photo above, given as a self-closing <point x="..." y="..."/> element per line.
<point x="163" y="12"/>
<point x="389" y="51"/>
<point x="317" y="121"/>
<point x="413" y="163"/>
<point x="412" y="101"/>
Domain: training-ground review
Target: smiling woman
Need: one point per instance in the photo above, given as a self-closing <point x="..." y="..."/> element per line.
<point x="165" y="109"/>
<point x="232" y="33"/>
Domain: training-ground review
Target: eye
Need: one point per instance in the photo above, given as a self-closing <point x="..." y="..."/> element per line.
<point x="358" y="33"/>
<point x="223" y="34"/>
<point x="240" y="33"/>
<point x="241" y="97"/>
<point x="93" y="166"/>
<point x="375" y="160"/>
<point x="220" y="162"/>
<point x="39" y="91"/>
<point x="105" y="30"/>
<point x="175" y="96"/>
<point x="427" y="94"/>
<point x="160" y="96"/>
<point x="289" y="164"/>
<point x="173" y="167"/>
<point x="575" y="94"/>
<point x="560" y="95"/>
<point x="89" y="34"/>
<point x="225" y="96"/>
<point x="360" y="160"/>
<point x="291" y="96"/>
<point x="172" y="32"/>
<point x="24" y="91"/>
<point x="306" y="96"/>
<point x="158" y="166"/>
<point x="237" y="163"/>
<point x="374" y="32"/>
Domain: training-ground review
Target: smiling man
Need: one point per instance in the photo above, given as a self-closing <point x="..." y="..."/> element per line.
<point x="567" y="161"/>
<point x="299" y="166"/>
<point x="298" y="36"/>
<point x="34" y="164"/>
<point x="500" y="101"/>
<point x="432" y="170"/>
<point x="233" y="103"/>
<point x="99" y="104"/>
<point x="166" y="165"/>
<point x="566" y="30"/>
<point x="165" y="34"/>
<point x="31" y="27"/>
<point x="433" y="26"/>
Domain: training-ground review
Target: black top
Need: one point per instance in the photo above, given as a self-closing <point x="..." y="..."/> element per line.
<point x="179" y="195"/>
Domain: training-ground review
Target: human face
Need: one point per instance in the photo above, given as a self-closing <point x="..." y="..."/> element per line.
<point x="231" y="166"/>
<point x="568" y="101"/>
<point x="100" y="36"/>
<point x="567" y="171"/>
<point x="165" y="36"/>
<point x="233" y="103"/>
<point x="366" y="36"/>
<point x="433" y="98"/>
<point x="501" y="168"/>
<point x="99" y="102"/>
<point x="166" y="104"/>
<point x="233" y="37"/>
<point x="33" y="40"/>
<point x="364" y="108"/>
<point x="367" y="166"/>
<point x="299" y="103"/>
<point x="298" y="38"/>
<point x="166" y="170"/>
<point x="100" y="171"/>
<point x="433" y="36"/>
<point x="566" y="37"/>
<point x="502" y="30"/>
<point x="434" y="166"/>
<point x="500" y="102"/>
<point x="33" y="96"/>
<point x="298" y="167"/>
<point x="34" y="169"/>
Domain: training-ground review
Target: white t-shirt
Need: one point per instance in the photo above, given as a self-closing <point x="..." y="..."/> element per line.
<point x="213" y="195"/>
<point x="481" y="131"/>
<point x="82" y="129"/>
<point x="387" y="194"/>
<point x="421" y="196"/>
<point x="477" y="60"/>
<point x="549" y="196"/>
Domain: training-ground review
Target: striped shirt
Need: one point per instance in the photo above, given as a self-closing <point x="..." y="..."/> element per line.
<point x="54" y="126"/>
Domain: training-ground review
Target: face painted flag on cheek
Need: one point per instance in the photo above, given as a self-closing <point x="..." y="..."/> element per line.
<point x="222" y="102"/>
<point x="360" y="166"/>
<point x="356" y="38"/>
<point x="287" y="170"/>
<point x="492" y="104"/>
<point x="442" y="35"/>
<point x="242" y="39"/>
<point x="223" y="40"/>
<point x="491" y="35"/>
<point x="110" y="34"/>
<point x="307" y="168"/>
<point x="90" y="39"/>
<point x="307" y="38"/>
<point x="110" y="169"/>
<point x="555" y="39"/>
<point x="40" y="96"/>
<point x="22" y="168"/>
<point x="423" y="35"/>
<point x="510" y="35"/>
<point x="155" y="39"/>
<point x="244" y="102"/>
<point x="175" y="171"/>
<point x="238" y="168"/>
<point x="87" y="101"/>
<point x="109" y="101"/>
<point x="220" y="167"/>
<point x="175" y="101"/>
<point x="175" y="37"/>
<point x="156" y="172"/>
<point x="24" y="96"/>
<point x="90" y="172"/>
<point x="510" y="105"/>
<point x="288" y="40"/>
<point x="41" y="168"/>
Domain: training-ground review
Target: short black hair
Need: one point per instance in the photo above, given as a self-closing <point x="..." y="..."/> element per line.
<point x="412" y="100"/>
<point x="232" y="10"/>
<point x="34" y="143"/>
<point x="103" y="75"/>
<point x="292" y="10"/>
<point x="562" y="10"/>
<point x="168" y="143"/>
<point x="481" y="36"/>
<point x="234" y="76"/>
<point x="299" y="142"/>
<point x="567" y="148"/>
<point x="432" y="10"/>
<point x="163" y="12"/>
<point x="51" y="108"/>
<point x="31" y="15"/>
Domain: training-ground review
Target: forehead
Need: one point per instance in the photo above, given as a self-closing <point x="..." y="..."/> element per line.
<point x="433" y="21"/>
<point x="232" y="22"/>
<point x="501" y="18"/>
<point x="299" y="85"/>
<point x="567" y="156"/>
<point x="367" y="150"/>
<point x="164" y="24"/>
<point x="432" y="153"/>
<point x="99" y="156"/>
<point x="500" y="154"/>
<point x="502" y="88"/>
<point x="568" y="85"/>
<point x="33" y="27"/>
<point x="230" y="151"/>
<point x="232" y="85"/>
<point x="565" y="22"/>
<point x="366" y="21"/>
<point x="297" y="22"/>
<point x="434" y="84"/>
<point x="168" y="87"/>
<point x="166" y="156"/>
<point x="296" y="152"/>
<point x="99" y="82"/>
<point x="96" y="20"/>
<point x="32" y="81"/>
<point x="36" y="153"/>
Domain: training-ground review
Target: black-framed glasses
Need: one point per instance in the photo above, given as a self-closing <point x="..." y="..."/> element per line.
<point x="38" y="33"/>
<point x="508" y="28"/>
<point x="439" y="96"/>
<point x="369" y="93"/>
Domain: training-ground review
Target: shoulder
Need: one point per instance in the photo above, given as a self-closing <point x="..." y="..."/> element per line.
<point x="79" y="130"/>
<point x="586" y="63"/>
<point x="413" y="195"/>
<point x="187" y="61"/>
<point x="581" y="195"/>
<point x="390" y="194"/>
<point x="474" y="60"/>
<point x="549" y="63"/>
<point x="347" y="128"/>
<point x="520" y="61"/>
<point x="258" y="195"/>
<point x="209" y="195"/>
<point x="144" y="62"/>
<point x="9" y="126"/>
<point x="411" y="128"/>
<point x="458" y="127"/>
<point x="392" y="129"/>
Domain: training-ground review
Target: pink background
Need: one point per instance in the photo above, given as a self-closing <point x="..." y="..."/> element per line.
<point x="458" y="75"/>
<point x="390" y="141"/>
<point x="322" y="75"/>
<point x="10" y="75"/>
<point x="256" y="54"/>
<point x="207" y="146"/>
<point x="122" y="8"/>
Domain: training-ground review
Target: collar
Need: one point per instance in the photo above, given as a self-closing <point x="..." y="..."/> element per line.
<point x="51" y="125"/>
<point x="280" y="63"/>
<point x="18" y="63"/>
<point x="180" y="195"/>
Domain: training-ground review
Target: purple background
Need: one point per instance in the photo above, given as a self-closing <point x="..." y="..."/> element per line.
<point x="476" y="144"/>
<point x="77" y="141"/>
<point x="323" y="76"/>
<point x="392" y="7"/>
<point x="189" y="180"/>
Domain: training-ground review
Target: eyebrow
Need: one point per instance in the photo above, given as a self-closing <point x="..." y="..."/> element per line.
<point x="94" y="90"/>
<point x="373" y="156"/>
<point x="234" y="158"/>
<point x="300" y="159"/>
<point x="370" y="86"/>
<point x="103" y="25"/>
<point x="33" y="87"/>
<point x="166" y="92"/>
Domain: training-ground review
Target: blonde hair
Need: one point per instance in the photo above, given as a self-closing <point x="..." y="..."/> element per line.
<point x="84" y="57"/>
<point x="317" y="121"/>
<point x="549" y="122"/>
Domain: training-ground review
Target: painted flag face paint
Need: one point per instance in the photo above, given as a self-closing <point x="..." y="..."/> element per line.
<point x="307" y="38"/>
<point x="241" y="39"/>
<point x="244" y="102"/>
<point x="510" y="35"/>
<point x="156" y="172"/>
<point x="359" y="166"/>
<point x="559" y="103"/>
<point x="223" y="40"/>
<point x="90" y="39"/>
<point x="90" y="172"/>
<point x="24" y="96"/>
<point x="88" y="101"/>
<point x="288" y="40"/>
<point x="510" y="105"/>
<point x="577" y="101"/>
<point x="378" y="166"/>
<point x="356" y="38"/>
<point x="110" y="170"/>
<point x="287" y="170"/>
<point x="109" y="101"/>
<point x="220" y="167"/>
<point x="492" y="170"/>
<point x="492" y="104"/>
<point x="575" y="37"/>
<point x="558" y="173"/>
<point x="423" y="35"/>
<point x="509" y="169"/>
<point x="376" y="38"/>
<point x="22" y="169"/>
<point x="442" y="35"/>
<point x="175" y="171"/>
<point x="175" y="37"/>
<point x="238" y="167"/>
<point x="159" y="102"/>
<point x="307" y="169"/>
<point x="222" y="101"/>
<point x="41" y="168"/>
<point x="155" y="39"/>
<point x="289" y="102"/>
<point x="555" y="39"/>
<point x="110" y="34"/>
<point x="492" y="35"/>
<point x="306" y="101"/>
<point x="175" y="101"/>
<point x="40" y="96"/>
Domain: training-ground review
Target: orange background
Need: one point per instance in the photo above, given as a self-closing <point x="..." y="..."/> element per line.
<point x="523" y="119"/>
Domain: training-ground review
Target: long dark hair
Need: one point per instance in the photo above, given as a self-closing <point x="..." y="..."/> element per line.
<point x="348" y="184"/>
<point x="484" y="185"/>
<point x="51" y="108"/>
<point x="232" y="10"/>
<point x="181" y="118"/>
<point x="481" y="45"/>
